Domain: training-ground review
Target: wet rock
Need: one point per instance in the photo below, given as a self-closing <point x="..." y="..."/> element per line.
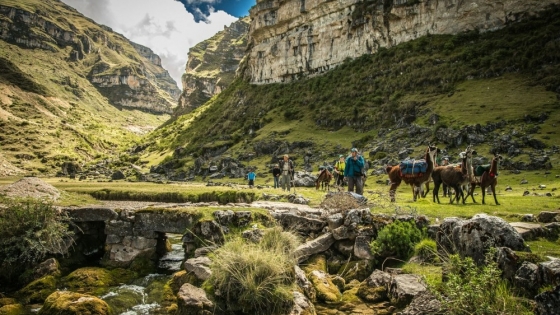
<point x="200" y="266"/>
<point x="49" y="267"/>
<point x="193" y="301"/>
<point x="71" y="303"/>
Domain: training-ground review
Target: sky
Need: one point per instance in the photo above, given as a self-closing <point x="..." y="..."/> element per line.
<point x="168" y="27"/>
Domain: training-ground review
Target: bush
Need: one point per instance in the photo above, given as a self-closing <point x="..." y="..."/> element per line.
<point x="29" y="231"/>
<point x="397" y="239"/>
<point x="426" y="250"/>
<point x="256" y="278"/>
<point x="478" y="290"/>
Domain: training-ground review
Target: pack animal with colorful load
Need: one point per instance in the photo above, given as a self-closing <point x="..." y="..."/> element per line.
<point x="413" y="168"/>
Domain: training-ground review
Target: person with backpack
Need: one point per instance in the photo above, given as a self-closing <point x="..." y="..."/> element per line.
<point x="276" y="172"/>
<point x="339" y="170"/>
<point x="251" y="177"/>
<point x="353" y="172"/>
<point x="287" y="169"/>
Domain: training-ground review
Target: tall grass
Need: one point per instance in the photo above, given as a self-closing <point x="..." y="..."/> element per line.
<point x="256" y="278"/>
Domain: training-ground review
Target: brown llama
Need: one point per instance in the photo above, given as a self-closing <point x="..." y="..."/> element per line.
<point x="452" y="176"/>
<point x="416" y="182"/>
<point x="487" y="179"/>
<point x="324" y="180"/>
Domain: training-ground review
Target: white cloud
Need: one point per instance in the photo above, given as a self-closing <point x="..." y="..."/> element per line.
<point x="163" y="25"/>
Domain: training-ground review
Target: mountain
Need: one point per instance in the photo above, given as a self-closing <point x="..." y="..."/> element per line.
<point x="71" y="89"/>
<point x="498" y="90"/>
<point x="296" y="38"/>
<point x="212" y="65"/>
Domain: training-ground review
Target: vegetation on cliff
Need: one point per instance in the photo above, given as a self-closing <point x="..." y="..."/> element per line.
<point x="61" y="91"/>
<point x="465" y="79"/>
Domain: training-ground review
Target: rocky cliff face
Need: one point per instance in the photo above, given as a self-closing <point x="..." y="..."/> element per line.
<point x="129" y="75"/>
<point x="212" y="65"/>
<point x="290" y="39"/>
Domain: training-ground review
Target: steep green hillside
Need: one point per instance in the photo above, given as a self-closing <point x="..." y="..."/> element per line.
<point x="434" y="89"/>
<point x="72" y="90"/>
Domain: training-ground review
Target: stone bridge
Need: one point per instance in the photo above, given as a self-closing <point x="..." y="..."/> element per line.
<point x="119" y="236"/>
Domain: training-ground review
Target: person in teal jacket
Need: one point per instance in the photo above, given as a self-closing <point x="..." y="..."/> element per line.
<point x="353" y="172"/>
<point x="251" y="177"/>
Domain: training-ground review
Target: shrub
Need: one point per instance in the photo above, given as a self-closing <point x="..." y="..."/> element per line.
<point x="426" y="250"/>
<point x="256" y="278"/>
<point x="29" y="231"/>
<point x="397" y="239"/>
<point x="478" y="290"/>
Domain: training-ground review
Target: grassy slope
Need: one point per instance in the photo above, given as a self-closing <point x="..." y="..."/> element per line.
<point x="53" y="112"/>
<point x="513" y="71"/>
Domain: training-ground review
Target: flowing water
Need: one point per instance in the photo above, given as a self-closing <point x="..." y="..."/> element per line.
<point x="145" y="296"/>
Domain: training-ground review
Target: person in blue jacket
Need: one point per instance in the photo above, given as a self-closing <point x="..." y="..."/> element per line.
<point x="353" y="172"/>
<point x="251" y="177"/>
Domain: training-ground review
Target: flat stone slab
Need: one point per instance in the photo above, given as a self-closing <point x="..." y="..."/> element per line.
<point x="529" y="231"/>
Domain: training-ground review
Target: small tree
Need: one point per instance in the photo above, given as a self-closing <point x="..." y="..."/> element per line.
<point x="397" y="239"/>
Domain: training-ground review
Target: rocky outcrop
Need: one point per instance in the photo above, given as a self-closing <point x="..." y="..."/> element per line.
<point x="295" y="38"/>
<point x="129" y="75"/>
<point x="212" y="65"/>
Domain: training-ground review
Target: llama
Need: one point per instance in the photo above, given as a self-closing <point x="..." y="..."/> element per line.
<point x="415" y="182"/>
<point x="454" y="177"/>
<point x="487" y="179"/>
<point x="324" y="180"/>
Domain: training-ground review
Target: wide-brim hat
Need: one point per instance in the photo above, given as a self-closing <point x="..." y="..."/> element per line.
<point x="354" y="150"/>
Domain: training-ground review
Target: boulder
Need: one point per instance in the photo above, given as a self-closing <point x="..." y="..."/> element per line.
<point x="117" y="175"/>
<point x="326" y="290"/>
<point x="474" y="237"/>
<point x="548" y="303"/>
<point x="320" y="244"/>
<point x="301" y="224"/>
<point x="343" y="233"/>
<point x="199" y="266"/>
<point x="361" y="247"/>
<point x="528" y="277"/>
<point x="529" y="231"/>
<point x="38" y="290"/>
<point x="549" y="216"/>
<point x="335" y="220"/>
<point x="224" y="217"/>
<point x="253" y="235"/>
<point x="242" y="218"/>
<point x="425" y="303"/>
<point x="304" y="179"/>
<point x="374" y="288"/>
<point x="71" y="303"/>
<point x="302" y="306"/>
<point x="49" y="267"/>
<point x="304" y="284"/>
<point x="550" y="272"/>
<point x="193" y="301"/>
<point x="88" y="214"/>
<point x="404" y="287"/>
<point x="507" y="261"/>
<point x="204" y="251"/>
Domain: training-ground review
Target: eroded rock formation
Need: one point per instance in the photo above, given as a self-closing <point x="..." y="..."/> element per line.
<point x="290" y="39"/>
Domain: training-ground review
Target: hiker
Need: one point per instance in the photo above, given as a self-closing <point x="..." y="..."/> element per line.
<point x="445" y="162"/>
<point x="353" y="172"/>
<point x="251" y="177"/>
<point x="339" y="170"/>
<point x="276" y="172"/>
<point x="287" y="168"/>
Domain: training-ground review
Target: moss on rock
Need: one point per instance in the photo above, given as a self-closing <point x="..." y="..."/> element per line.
<point x="12" y="309"/>
<point x="181" y="277"/>
<point x="317" y="262"/>
<point x="326" y="290"/>
<point x="38" y="290"/>
<point x="143" y="265"/>
<point x="356" y="270"/>
<point x="72" y="303"/>
<point x="372" y="294"/>
<point x="7" y="301"/>
<point x="96" y="280"/>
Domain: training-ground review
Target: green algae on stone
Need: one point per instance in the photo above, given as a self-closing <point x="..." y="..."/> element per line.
<point x="316" y="262"/>
<point x="12" y="309"/>
<point x="38" y="290"/>
<point x="96" y="280"/>
<point x="181" y="277"/>
<point x="326" y="290"/>
<point x="372" y="294"/>
<point x="143" y="265"/>
<point x="72" y="303"/>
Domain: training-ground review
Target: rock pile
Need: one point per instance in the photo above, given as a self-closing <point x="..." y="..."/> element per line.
<point x="31" y="187"/>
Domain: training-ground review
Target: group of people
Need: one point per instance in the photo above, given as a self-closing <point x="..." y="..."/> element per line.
<point x="350" y="168"/>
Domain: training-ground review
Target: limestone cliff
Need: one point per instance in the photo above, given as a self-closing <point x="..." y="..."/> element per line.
<point x="128" y="74"/>
<point x="212" y="65"/>
<point x="290" y="39"/>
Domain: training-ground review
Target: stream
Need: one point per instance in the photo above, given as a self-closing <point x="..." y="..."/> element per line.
<point x="144" y="296"/>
